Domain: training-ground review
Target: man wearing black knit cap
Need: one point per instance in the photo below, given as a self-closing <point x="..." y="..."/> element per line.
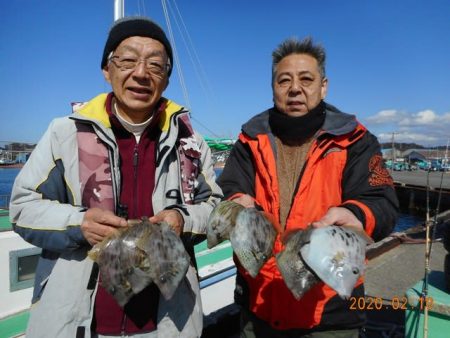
<point x="122" y="155"/>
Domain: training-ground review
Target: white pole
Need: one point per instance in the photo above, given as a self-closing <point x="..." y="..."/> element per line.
<point x="119" y="9"/>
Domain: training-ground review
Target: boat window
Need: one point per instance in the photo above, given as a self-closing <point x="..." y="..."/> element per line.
<point x="22" y="268"/>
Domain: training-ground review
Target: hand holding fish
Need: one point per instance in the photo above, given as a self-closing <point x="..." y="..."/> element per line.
<point x="172" y="217"/>
<point x="98" y="224"/>
<point x="138" y="255"/>
<point x="335" y="254"/>
<point x="339" y="216"/>
<point x="245" y="200"/>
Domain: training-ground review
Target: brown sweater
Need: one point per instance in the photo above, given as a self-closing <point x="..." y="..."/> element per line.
<point x="291" y="159"/>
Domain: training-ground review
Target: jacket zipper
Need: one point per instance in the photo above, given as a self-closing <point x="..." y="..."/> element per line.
<point x="135" y="174"/>
<point x="124" y="320"/>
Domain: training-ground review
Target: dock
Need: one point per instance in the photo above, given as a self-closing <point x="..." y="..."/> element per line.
<point x="412" y="188"/>
<point x="389" y="276"/>
<point x="418" y="179"/>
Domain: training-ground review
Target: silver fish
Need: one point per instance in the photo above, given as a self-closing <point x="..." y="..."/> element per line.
<point x="252" y="239"/>
<point x="337" y="255"/>
<point x="298" y="277"/>
<point x="139" y="255"/>
<point x="221" y="222"/>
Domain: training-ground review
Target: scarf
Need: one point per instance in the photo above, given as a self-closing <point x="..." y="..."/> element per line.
<point x="297" y="128"/>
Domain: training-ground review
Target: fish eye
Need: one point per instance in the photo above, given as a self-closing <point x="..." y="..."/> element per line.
<point x="162" y="279"/>
<point x="355" y="271"/>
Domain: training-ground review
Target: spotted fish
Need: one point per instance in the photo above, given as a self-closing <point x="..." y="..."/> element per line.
<point x="252" y="239"/>
<point x="336" y="254"/>
<point x="250" y="232"/>
<point x="221" y="222"/>
<point x="297" y="276"/>
<point x="138" y="255"/>
<point x="167" y="260"/>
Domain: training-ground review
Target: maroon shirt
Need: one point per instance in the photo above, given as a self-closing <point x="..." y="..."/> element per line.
<point x="137" y="166"/>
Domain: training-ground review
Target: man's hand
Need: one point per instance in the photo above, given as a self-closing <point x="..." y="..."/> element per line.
<point x="245" y="200"/>
<point x="172" y="217"/>
<point x="339" y="216"/>
<point x="98" y="224"/>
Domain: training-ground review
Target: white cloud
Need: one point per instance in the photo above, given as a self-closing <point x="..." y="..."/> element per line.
<point x="385" y="116"/>
<point x="425" y="127"/>
<point x="420" y="118"/>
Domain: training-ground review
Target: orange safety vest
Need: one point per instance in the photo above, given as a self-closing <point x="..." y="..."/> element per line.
<point x="320" y="188"/>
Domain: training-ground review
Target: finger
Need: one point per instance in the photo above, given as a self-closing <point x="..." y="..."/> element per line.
<point x="108" y="218"/>
<point x="94" y="239"/>
<point x="318" y="224"/>
<point x="156" y="219"/>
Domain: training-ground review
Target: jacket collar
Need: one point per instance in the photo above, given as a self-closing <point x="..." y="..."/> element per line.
<point x="96" y="109"/>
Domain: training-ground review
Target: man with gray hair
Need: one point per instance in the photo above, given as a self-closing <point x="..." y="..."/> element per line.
<point x="125" y="154"/>
<point x="306" y="163"/>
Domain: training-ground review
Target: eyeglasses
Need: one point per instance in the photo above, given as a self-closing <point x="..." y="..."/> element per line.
<point x="129" y="63"/>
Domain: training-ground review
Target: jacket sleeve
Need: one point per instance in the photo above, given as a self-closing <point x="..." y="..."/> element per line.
<point x="238" y="175"/>
<point x="40" y="207"/>
<point x="206" y="195"/>
<point x="368" y="189"/>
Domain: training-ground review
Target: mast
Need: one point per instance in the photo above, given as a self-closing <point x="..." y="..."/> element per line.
<point x="119" y="9"/>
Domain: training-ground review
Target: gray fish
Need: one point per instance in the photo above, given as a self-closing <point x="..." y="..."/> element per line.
<point x="167" y="260"/>
<point x="337" y="255"/>
<point x="221" y="222"/>
<point x="298" y="277"/>
<point x="117" y="260"/>
<point x="139" y="255"/>
<point x="252" y="239"/>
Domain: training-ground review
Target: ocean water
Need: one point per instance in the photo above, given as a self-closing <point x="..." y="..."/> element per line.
<point x="7" y="176"/>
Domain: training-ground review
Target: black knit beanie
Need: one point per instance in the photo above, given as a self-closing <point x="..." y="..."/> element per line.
<point x="135" y="26"/>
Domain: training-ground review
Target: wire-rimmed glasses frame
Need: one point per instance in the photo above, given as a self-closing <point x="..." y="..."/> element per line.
<point x="129" y="63"/>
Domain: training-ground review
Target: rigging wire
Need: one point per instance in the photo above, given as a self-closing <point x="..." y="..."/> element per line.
<point x="166" y="5"/>
<point x="175" y="54"/>
<point x="194" y="58"/>
<point x="198" y="70"/>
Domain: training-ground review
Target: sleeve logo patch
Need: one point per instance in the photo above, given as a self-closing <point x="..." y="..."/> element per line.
<point x="379" y="175"/>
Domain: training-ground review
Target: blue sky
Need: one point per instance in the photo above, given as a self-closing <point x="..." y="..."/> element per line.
<point x="388" y="62"/>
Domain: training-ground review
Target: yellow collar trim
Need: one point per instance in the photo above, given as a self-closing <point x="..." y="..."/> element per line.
<point x="96" y="109"/>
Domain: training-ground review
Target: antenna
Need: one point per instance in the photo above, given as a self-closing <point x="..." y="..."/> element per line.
<point x="119" y="9"/>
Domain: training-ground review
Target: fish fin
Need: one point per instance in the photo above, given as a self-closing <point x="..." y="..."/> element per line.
<point x="272" y="219"/>
<point x="287" y="235"/>
<point x="93" y="253"/>
<point x="133" y="222"/>
<point x="360" y="232"/>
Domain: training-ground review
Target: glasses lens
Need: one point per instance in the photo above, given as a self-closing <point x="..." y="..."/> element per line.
<point x="155" y="67"/>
